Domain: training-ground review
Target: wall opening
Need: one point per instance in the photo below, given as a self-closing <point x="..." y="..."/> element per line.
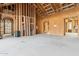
<point x="7" y="26"/>
<point x="46" y="27"/>
<point x="71" y="25"/>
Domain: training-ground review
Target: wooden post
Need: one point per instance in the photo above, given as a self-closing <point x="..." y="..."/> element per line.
<point x="34" y="20"/>
<point x="26" y="22"/>
<point x="0" y="28"/>
<point x="21" y="18"/>
<point x="17" y="21"/>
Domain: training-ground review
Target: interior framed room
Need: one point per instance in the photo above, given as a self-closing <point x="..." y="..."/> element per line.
<point x="39" y="29"/>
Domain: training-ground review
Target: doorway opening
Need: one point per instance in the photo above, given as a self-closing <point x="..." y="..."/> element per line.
<point x="71" y="26"/>
<point x="7" y="26"/>
<point x="46" y="27"/>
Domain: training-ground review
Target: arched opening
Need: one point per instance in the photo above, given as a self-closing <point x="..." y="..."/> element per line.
<point x="7" y="26"/>
<point x="46" y="27"/>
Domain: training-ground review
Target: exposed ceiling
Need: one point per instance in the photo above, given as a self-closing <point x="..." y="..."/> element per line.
<point x="44" y="9"/>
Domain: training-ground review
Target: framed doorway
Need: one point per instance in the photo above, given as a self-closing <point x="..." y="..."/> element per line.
<point x="71" y="25"/>
<point x="7" y="26"/>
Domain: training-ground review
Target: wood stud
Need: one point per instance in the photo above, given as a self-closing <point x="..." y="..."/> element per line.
<point x="26" y="14"/>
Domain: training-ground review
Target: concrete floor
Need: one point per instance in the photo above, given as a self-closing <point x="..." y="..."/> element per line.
<point x="40" y="45"/>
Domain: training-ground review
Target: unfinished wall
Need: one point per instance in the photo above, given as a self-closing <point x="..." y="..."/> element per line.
<point x="56" y="21"/>
<point x="24" y="19"/>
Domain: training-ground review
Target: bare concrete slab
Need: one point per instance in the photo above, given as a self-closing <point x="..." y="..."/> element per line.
<point x="40" y="45"/>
